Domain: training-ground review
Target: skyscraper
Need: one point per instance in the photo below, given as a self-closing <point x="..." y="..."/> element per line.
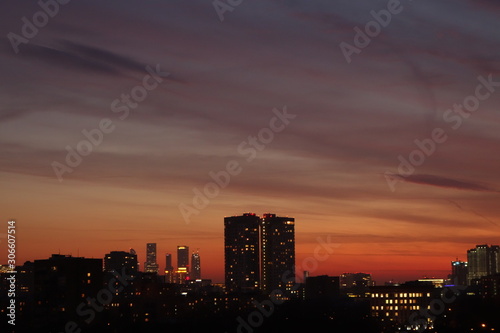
<point x="169" y="269"/>
<point x="483" y="260"/>
<point x="183" y="257"/>
<point x="277" y="254"/>
<point x="196" y="266"/>
<point x="182" y="272"/>
<point x="458" y="273"/>
<point x="241" y="252"/>
<point x="151" y="266"/>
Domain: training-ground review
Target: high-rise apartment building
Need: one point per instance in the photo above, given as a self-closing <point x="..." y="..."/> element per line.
<point x="483" y="260"/>
<point x="277" y="243"/>
<point x="151" y="265"/>
<point x="242" y="252"/>
<point x="260" y="253"/>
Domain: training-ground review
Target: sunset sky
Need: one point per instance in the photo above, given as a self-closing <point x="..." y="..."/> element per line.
<point x="326" y="168"/>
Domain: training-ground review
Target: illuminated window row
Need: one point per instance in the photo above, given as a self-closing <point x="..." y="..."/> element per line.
<point x="396" y="308"/>
<point x="400" y="295"/>
<point x="401" y="301"/>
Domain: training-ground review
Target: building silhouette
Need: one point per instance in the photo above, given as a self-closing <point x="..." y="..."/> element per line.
<point x="118" y="260"/>
<point x="183" y="257"/>
<point x="483" y="260"/>
<point x="459" y="272"/>
<point x="182" y="272"/>
<point x="151" y="265"/>
<point x="322" y="287"/>
<point x="119" y="263"/>
<point x="242" y="253"/>
<point x="356" y="280"/>
<point x="277" y="243"/>
<point x="61" y="284"/>
<point x="195" y="266"/>
<point x="169" y="269"/>
<point x="260" y="254"/>
<point x="489" y="286"/>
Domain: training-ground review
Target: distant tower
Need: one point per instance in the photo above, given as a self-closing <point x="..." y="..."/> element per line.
<point x="182" y="271"/>
<point x="241" y="252"/>
<point x="169" y="269"/>
<point x="278" y="254"/>
<point x="151" y="266"/>
<point x="183" y="257"/>
<point x="195" y="266"/>
<point x="459" y="273"/>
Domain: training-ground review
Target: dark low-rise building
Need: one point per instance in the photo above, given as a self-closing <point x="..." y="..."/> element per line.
<point x="322" y="287"/>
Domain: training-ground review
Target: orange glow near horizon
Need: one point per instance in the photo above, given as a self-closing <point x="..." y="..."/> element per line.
<point x="387" y="249"/>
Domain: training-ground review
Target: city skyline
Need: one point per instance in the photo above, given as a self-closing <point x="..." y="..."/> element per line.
<point x="112" y="292"/>
<point x="218" y="276"/>
<point x="130" y="259"/>
<point x="124" y="123"/>
<point x="490" y="259"/>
